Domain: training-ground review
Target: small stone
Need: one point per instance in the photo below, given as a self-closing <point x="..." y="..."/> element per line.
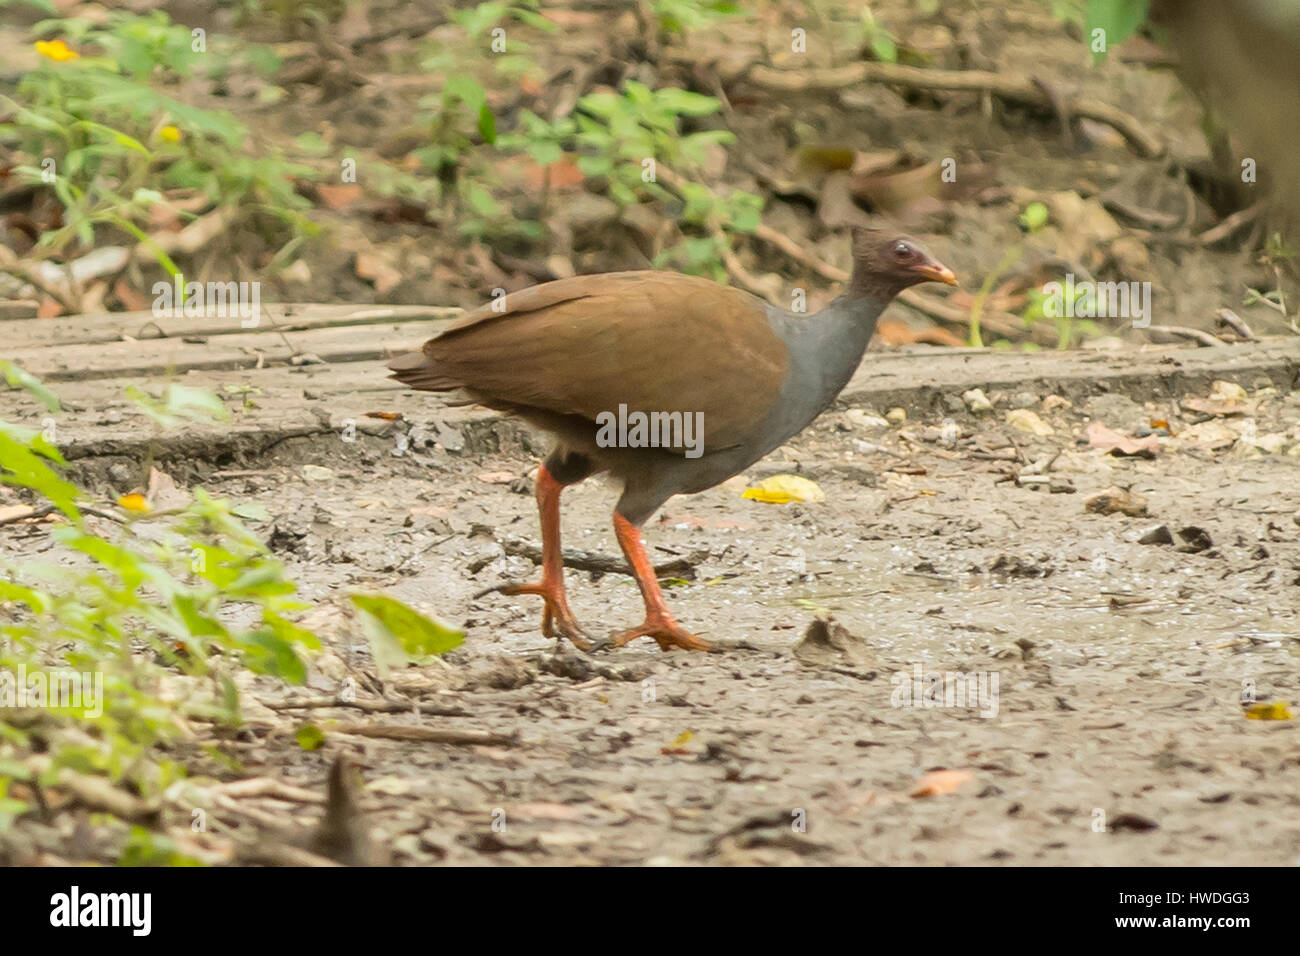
<point x="1115" y="500"/>
<point x="1222" y="391"/>
<point x="896" y="416"/>
<point x="977" y="401"/>
<point x="862" y="419"/>
<point x="1157" y="535"/>
<point x="1022" y="419"/>
<point x="1053" y="402"/>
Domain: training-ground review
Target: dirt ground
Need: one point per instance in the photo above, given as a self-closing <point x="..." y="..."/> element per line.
<point x="1117" y="735"/>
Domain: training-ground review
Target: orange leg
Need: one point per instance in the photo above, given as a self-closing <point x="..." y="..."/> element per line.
<point x="659" y="622"/>
<point x="556" y="617"/>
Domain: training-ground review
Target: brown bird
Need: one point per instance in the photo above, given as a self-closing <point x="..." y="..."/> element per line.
<point x="669" y="382"/>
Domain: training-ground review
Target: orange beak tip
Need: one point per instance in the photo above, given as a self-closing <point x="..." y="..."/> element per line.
<point x="939" y="273"/>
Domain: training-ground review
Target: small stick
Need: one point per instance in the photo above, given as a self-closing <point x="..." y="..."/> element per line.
<point x="428" y="735"/>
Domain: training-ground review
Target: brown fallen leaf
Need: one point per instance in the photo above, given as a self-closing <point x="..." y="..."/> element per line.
<point x="1116" y="443"/>
<point x="13" y="512"/>
<point x="1116" y="500"/>
<point x="564" y="173"/>
<point x="543" y="811"/>
<point x="893" y="332"/>
<point x="339" y="197"/>
<point x="1216" y="407"/>
<point x="131" y="299"/>
<point x="374" y="269"/>
<point x="936" y="783"/>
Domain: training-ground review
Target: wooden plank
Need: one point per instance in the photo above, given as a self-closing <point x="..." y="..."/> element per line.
<point x="160" y="357"/>
<point x="107" y="327"/>
<point x="98" y="419"/>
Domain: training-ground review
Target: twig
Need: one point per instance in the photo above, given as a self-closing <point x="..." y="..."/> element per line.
<point x="282" y="854"/>
<point x="428" y="735"/>
<point x="377" y="706"/>
<point x="11" y="265"/>
<point x="267" y="787"/>
<point x="96" y="793"/>
<point x="1232" y="320"/>
<point x="596" y="562"/>
<point x="1204" y="339"/>
<point x="1230" y="225"/>
<point x="1014" y="89"/>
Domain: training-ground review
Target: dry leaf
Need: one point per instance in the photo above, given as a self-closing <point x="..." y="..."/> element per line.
<point x="339" y="197"/>
<point x="783" y="489"/>
<point x="940" y="782"/>
<point x="1108" y="440"/>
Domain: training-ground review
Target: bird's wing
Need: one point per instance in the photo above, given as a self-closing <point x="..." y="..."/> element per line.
<point x="653" y="341"/>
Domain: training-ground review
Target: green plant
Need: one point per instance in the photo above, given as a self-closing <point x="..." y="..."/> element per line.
<point x="163" y="608"/>
<point x="93" y="129"/>
<point x="1069" y="330"/>
<point x="622" y="135"/>
<point x="683" y="16"/>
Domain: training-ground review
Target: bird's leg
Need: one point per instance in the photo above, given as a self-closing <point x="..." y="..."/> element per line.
<point x="556" y="617"/>
<point x="659" y="622"/>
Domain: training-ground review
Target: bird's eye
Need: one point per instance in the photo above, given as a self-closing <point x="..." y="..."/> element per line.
<point x="902" y="251"/>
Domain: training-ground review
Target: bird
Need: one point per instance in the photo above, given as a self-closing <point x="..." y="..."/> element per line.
<point x="589" y="358"/>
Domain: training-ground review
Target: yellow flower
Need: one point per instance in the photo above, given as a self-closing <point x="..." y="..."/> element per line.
<point x="56" y="50"/>
<point x="170" y="133"/>
<point x="134" y="502"/>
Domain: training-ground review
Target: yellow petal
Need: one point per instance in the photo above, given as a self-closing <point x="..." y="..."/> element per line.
<point x="1274" y="710"/>
<point x="56" y="50"/>
<point x="783" y="489"/>
<point x="134" y="502"/>
<point x="170" y="133"/>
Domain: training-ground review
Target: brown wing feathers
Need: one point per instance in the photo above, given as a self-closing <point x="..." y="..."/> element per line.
<point x="653" y="341"/>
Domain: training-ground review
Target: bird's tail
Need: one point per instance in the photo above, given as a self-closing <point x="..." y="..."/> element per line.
<point x="416" y="370"/>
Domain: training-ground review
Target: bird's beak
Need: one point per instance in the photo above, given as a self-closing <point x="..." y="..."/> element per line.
<point x="937" y="272"/>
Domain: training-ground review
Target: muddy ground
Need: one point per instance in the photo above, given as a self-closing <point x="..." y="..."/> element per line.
<point x="1118" y="735"/>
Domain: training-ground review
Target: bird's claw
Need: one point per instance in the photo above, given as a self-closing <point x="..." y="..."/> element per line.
<point x="557" y="619"/>
<point x="667" y="633"/>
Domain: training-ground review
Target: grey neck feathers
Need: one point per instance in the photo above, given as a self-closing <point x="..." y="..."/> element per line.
<point x="827" y="347"/>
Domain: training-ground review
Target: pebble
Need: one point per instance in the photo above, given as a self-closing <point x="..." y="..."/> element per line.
<point x="977" y="401"/>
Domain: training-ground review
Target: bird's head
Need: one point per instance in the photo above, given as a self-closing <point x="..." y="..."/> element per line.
<point x="885" y="263"/>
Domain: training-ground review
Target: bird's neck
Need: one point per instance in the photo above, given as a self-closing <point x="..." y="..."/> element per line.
<point x="830" y="344"/>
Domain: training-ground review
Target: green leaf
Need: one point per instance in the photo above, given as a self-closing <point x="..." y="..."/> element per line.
<point x="310" y="737"/>
<point x="398" y="631"/>
<point x="487" y="125"/>
<point x="883" y="47"/>
<point x="1119" y="19"/>
<point x="686" y="103"/>
<point x="251" y="511"/>
<point x="19" y="377"/>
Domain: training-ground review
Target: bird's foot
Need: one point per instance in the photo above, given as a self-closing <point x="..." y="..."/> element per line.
<point x="557" y="619"/>
<point x="666" y="632"/>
